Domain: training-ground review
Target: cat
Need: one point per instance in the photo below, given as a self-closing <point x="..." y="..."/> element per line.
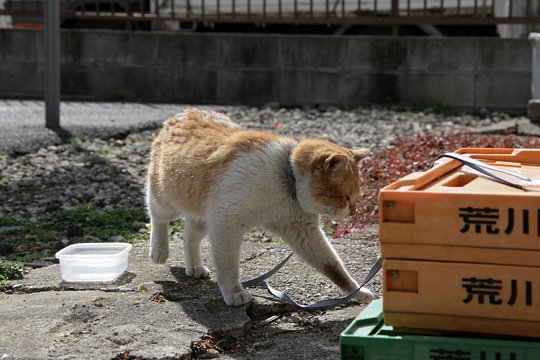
<point x="225" y="180"/>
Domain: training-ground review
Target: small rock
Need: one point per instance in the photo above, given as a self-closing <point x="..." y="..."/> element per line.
<point x="140" y="224"/>
<point x="36" y="246"/>
<point x="92" y="160"/>
<point x="12" y="230"/>
<point x="23" y="248"/>
<point x="74" y="231"/>
<point x="5" y="249"/>
<point x="263" y="344"/>
<point x="60" y="244"/>
<point x="37" y="264"/>
<point x="295" y="319"/>
<point x="529" y="129"/>
<point x="117" y="238"/>
<point x="90" y="238"/>
<point x="120" y="340"/>
<point x="51" y="259"/>
<point x="534" y="111"/>
<point x="211" y="354"/>
<point x="52" y="207"/>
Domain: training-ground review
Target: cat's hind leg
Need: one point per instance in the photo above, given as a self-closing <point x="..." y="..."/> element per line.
<point x="159" y="234"/>
<point x="194" y="232"/>
<point x="159" y="241"/>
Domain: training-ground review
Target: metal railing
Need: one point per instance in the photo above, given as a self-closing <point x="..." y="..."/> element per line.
<point x="358" y="12"/>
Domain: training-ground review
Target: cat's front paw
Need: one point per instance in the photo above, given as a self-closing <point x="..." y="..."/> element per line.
<point x="159" y="254"/>
<point x="197" y="271"/>
<point x="238" y="298"/>
<point x="364" y="296"/>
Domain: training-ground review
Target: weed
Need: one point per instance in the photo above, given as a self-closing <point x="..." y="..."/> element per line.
<point x="142" y="288"/>
<point x="277" y="240"/>
<point x="176" y="226"/>
<point x="75" y="141"/>
<point x="329" y="229"/>
<point x="11" y="271"/>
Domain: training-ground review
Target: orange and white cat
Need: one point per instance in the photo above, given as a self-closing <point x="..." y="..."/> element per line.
<point x="225" y="180"/>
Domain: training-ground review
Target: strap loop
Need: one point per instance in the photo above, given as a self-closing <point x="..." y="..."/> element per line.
<point x="481" y="167"/>
<point x="260" y="281"/>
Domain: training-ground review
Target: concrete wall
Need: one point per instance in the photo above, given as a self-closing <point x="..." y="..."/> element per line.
<point x="466" y="73"/>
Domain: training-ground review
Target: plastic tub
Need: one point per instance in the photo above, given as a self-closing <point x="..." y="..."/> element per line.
<point x="91" y="262"/>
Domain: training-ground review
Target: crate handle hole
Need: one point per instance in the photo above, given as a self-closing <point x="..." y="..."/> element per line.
<point x="460" y="180"/>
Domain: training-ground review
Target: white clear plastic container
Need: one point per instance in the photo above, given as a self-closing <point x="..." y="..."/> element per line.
<point x="93" y="261"/>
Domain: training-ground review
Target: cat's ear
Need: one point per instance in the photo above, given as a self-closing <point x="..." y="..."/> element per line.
<point x="359" y="154"/>
<point x="335" y="161"/>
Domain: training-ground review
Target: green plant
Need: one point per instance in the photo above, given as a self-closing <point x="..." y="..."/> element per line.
<point x="142" y="288"/>
<point x="98" y="223"/>
<point x="176" y="226"/>
<point x="75" y="140"/>
<point x="53" y="226"/>
<point x="277" y="240"/>
<point x="11" y="271"/>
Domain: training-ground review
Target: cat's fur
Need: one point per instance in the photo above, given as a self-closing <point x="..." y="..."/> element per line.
<point x="226" y="180"/>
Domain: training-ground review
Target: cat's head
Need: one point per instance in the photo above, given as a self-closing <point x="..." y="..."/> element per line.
<point x="327" y="177"/>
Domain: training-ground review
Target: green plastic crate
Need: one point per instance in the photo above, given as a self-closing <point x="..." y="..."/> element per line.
<point x="367" y="338"/>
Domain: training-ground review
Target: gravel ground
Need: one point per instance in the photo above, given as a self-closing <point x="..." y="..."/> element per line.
<point x="108" y="173"/>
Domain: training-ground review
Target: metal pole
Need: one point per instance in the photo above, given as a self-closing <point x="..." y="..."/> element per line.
<point x="52" y="64"/>
<point x="395" y="14"/>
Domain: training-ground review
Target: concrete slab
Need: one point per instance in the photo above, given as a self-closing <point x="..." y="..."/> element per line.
<point x="519" y="126"/>
<point x="156" y="311"/>
<point x="93" y="325"/>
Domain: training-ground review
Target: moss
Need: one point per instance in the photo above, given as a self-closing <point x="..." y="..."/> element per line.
<point x="97" y="223"/>
<point x="91" y="222"/>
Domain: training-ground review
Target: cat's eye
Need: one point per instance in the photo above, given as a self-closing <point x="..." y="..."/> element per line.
<point x="347" y="197"/>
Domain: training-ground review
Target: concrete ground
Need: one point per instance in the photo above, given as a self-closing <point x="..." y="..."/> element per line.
<point x="157" y="312"/>
<point x="23" y="121"/>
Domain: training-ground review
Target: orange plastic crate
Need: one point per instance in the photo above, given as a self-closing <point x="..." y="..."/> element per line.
<point x="463" y="297"/>
<point x="451" y="213"/>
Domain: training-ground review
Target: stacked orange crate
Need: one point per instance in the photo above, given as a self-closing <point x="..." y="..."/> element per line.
<point x="462" y="251"/>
